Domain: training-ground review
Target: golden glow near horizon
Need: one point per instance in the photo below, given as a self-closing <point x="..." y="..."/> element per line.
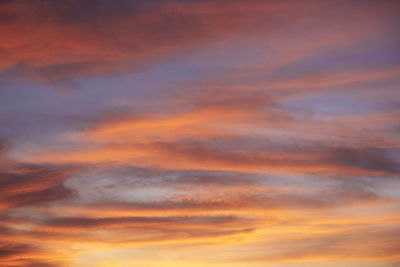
<point x="199" y="133"/>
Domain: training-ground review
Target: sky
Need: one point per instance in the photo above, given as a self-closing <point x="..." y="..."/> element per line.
<point x="190" y="133"/>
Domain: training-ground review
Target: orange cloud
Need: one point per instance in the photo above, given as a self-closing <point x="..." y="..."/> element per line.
<point x="239" y="158"/>
<point x="51" y="41"/>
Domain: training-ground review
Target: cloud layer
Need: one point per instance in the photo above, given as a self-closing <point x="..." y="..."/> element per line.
<point x="199" y="133"/>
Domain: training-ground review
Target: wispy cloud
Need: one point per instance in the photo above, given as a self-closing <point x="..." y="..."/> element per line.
<point x="199" y="133"/>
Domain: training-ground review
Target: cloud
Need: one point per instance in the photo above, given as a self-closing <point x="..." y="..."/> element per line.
<point x="84" y="38"/>
<point x="22" y="255"/>
<point x="210" y="155"/>
<point x="374" y="159"/>
<point x="26" y="184"/>
<point x="148" y="222"/>
<point x="257" y="132"/>
<point x="53" y="42"/>
<point x="10" y="250"/>
<point x="376" y="245"/>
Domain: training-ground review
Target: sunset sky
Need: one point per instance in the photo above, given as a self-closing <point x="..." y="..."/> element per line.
<point x="191" y="133"/>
